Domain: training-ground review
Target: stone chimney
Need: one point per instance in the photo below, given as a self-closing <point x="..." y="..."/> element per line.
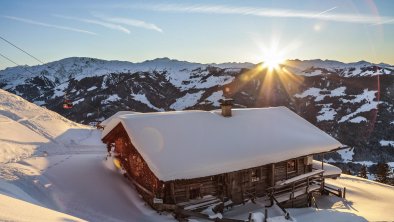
<point x="226" y="105"/>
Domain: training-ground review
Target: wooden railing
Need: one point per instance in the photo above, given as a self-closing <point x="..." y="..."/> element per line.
<point x="336" y="191"/>
<point x="296" y="185"/>
<point x="308" y="183"/>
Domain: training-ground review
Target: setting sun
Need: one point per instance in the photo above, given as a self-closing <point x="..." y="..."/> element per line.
<point x="272" y="55"/>
<point x="272" y="60"/>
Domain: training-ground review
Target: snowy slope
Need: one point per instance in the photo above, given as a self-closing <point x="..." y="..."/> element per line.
<point x="372" y="200"/>
<point x="17" y="145"/>
<point x="25" y="127"/>
<point x="82" y="185"/>
<point x="17" y="210"/>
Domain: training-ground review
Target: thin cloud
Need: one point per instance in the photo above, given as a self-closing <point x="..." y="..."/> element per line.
<point x="130" y="22"/>
<point x="267" y="12"/>
<point x="29" y="21"/>
<point x="328" y="10"/>
<point x="391" y="21"/>
<point x="97" y="22"/>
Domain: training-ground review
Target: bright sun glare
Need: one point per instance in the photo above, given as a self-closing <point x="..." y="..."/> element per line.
<point x="272" y="56"/>
<point x="272" y="60"/>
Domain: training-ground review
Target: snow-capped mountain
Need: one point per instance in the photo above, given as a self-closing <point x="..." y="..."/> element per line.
<point x="354" y="102"/>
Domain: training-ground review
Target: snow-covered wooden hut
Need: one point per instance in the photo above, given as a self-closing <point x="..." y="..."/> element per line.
<point x="186" y="158"/>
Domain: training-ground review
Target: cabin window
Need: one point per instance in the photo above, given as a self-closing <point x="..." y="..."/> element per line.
<point x="255" y="175"/>
<point x="118" y="146"/>
<point x="194" y="192"/>
<point x="291" y="166"/>
<point x="137" y="165"/>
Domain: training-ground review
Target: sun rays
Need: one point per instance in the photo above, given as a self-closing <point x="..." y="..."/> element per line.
<point x="271" y="77"/>
<point x="272" y="57"/>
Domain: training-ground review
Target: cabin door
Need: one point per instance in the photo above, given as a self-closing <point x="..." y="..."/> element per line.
<point x="236" y="188"/>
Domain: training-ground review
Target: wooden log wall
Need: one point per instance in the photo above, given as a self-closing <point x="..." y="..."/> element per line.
<point x="237" y="186"/>
<point x="134" y="164"/>
<point x="281" y="171"/>
<point x="184" y="190"/>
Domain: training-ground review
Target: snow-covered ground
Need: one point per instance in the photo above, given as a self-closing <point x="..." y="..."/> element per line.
<point x="27" y="128"/>
<point x="51" y="165"/>
<point x="55" y="170"/>
<point x="372" y="200"/>
<point x="18" y="210"/>
<point x="83" y="185"/>
<point x="88" y="187"/>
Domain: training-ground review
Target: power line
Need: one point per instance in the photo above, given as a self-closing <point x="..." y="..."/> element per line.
<point x="35" y="58"/>
<point x="46" y="82"/>
<point x="22" y="50"/>
<point x="15" y="63"/>
<point x="7" y="58"/>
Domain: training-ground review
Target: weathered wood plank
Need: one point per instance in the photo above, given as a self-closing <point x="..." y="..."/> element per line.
<point x="272" y="175"/>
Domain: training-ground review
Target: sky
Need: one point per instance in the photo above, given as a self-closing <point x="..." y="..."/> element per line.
<point x="197" y="31"/>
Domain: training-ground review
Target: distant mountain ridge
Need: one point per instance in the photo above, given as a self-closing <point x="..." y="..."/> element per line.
<point x="354" y="102"/>
<point x="84" y="66"/>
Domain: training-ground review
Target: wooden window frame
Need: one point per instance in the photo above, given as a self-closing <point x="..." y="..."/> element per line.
<point x="295" y="166"/>
<point x="255" y="175"/>
<point x="195" y="192"/>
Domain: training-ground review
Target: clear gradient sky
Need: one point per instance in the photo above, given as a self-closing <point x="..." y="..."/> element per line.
<point x="199" y="31"/>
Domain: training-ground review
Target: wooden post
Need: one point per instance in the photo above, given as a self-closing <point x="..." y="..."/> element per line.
<point x="242" y="187"/>
<point x="250" y="217"/>
<point x="187" y="190"/>
<point x="307" y="184"/>
<point x="292" y="196"/>
<point x="265" y="215"/>
<point x="272" y="174"/>
<point x="172" y="191"/>
<point x="221" y="187"/>
<point x="322" y="161"/>
<point x="344" y="193"/>
<point x="227" y="185"/>
<point x="286" y="170"/>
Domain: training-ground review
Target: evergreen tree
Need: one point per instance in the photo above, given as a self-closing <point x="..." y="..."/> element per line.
<point x="363" y="172"/>
<point x="382" y="172"/>
<point x="346" y="171"/>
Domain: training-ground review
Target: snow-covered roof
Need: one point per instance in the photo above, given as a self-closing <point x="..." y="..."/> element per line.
<point x="190" y="144"/>
<point x="115" y="116"/>
<point x="329" y="170"/>
<point x="113" y="121"/>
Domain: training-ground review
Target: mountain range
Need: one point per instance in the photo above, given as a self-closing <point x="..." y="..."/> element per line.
<point x="354" y="102"/>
